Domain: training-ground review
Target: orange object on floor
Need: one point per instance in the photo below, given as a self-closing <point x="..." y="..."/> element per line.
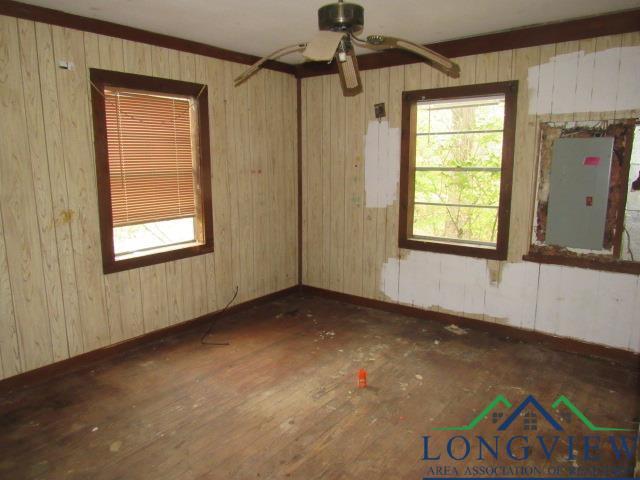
<point x="362" y="378"/>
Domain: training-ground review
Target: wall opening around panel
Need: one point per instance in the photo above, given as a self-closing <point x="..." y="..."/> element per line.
<point x="584" y="188"/>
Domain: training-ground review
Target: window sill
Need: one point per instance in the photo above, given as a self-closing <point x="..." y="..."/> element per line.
<point x="453" y="249"/>
<point x="602" y="264"/>
<point x="156" y="256"/>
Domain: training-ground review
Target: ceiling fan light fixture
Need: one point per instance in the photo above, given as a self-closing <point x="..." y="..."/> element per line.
<point x="341" y="17"/>
<point x="349" y="73"/>
<point x="339" y="24"/>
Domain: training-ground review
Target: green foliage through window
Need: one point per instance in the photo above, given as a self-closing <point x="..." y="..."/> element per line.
<point x="457" y="177"/>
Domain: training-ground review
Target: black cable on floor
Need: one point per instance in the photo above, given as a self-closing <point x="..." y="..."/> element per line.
<point x="208" y="332"/>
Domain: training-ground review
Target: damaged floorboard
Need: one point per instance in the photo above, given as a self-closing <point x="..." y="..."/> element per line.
<point x="281" y="400"/>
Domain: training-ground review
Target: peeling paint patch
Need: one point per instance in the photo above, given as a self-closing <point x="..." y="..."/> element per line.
<point x="495" y="271"/>
<point x="586" y="82"/>
<point x="381" y="164"/>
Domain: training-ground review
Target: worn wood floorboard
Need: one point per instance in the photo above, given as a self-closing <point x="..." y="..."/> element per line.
<point x="281" y="402"/>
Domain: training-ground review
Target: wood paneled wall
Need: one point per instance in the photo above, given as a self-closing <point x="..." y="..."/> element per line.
<point x="353" y="249"/>
<point x="55" y="301"/>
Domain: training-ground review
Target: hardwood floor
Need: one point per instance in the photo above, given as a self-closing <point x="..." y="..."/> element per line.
<point x="281" y="401"/>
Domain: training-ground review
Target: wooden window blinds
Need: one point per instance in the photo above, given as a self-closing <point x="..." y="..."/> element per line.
<point x="151" y="139"/>
<point x="151" y="156"/>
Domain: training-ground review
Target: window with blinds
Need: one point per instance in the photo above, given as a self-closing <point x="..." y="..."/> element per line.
<point x="151" y="156"/>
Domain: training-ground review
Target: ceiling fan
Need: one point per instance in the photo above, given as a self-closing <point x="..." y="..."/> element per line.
<point x="339" y="24"/>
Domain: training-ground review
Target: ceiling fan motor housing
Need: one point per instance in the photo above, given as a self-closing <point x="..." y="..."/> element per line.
<point x="341" y="17"/>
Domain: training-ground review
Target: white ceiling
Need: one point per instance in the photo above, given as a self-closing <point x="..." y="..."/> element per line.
<point x="261" y="26"/>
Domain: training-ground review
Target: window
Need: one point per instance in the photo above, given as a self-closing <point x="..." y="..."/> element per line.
<point x="631" y="239"/>
<point x="153" y="169"/>
<point x="457" y="162"/>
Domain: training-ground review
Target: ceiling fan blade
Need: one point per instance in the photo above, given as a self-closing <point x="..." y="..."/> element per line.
<point x="382" y="42"/>
<point x="272" y="56"/>
<point x="349" y="74"/>
<point x="323" y="46"/>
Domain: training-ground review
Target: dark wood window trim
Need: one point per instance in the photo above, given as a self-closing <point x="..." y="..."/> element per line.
<point x="602" y="264"/>
<point x="409" y="100"/>
<point x="103" y="78"/>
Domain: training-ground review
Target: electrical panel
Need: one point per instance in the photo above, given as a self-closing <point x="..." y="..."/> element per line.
<point x="579" y="192"/>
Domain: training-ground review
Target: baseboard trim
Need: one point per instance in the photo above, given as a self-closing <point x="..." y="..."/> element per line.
<point x="86" y="359"/>
<point x="564" y="344"/>
<point x="81" y="361"/>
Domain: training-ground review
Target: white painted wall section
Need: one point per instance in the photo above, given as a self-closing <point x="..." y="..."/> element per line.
<point x="381" y="164"/>
<point x="588" y="305"/>
<point x="607" y="81"/>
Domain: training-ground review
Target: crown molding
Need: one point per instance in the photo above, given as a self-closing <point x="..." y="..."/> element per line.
<point x="609" y="24"/>
<point x="62" y="19"/>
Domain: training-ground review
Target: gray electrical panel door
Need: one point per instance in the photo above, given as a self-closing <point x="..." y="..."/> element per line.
<point x="579" y="192"/>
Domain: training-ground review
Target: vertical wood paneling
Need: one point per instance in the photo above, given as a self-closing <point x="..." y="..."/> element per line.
<point x="231" y="152"/>
<point x="291" y="224"/>
<point x="175" y="293"/>
<point x="354" y="194"/>
<point x="566" y="80"/>
<point x="257" y="140"/>
<point x="487" y="67"/>
<point x="111" y="53"/>
<point x="137" y="58"/>
<point x="41" y="183"/>
<point x="55" y="301"/>
<point x="210" y="72"/>
<point x="304" y="134"/>
<point x="605" y="70"/>
<point x="628" y="75"/>
<point x="9" y="348"/>
<point x="381" y="213"/>
<point x="281" y="179"/>
<point x="370" y="239"/>
<point x="247" y="229"/>
<point x="519" y="238"/>
<point x="396" y="86"/>
<point x="271" y="189"/>
<point x="73" y="97"/>
<point x="155" y="312"/>
<point x="58" y="182"/>
<point x="313" y="181"/>
<point x="338" y="121"/>
<point x="326" y="180"/>
<point x="19" y="214"/>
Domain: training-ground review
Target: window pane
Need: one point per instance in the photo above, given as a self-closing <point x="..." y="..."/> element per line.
<point x="145" y="236"/>
<point x="461" y="115"/>
<point x="459" y="150"/>
<point x="468" y="188"/>
<point x="458" y="167"/>
<point x="456" y="223"/>
<point x="631" y="236"/>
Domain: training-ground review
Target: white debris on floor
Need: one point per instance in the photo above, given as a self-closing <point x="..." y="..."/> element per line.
<point x="456" y="329"/>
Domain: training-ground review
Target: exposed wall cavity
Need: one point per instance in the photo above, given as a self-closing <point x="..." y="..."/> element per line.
<point x="589" y="305"/>
<point x="622" y="133"/>
<point x="381" y="164"/>
<point x="606" y="81"/>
